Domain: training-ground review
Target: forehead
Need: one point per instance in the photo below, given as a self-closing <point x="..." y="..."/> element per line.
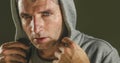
<point x="35" y="1"/>
<point x="32" y="5"/>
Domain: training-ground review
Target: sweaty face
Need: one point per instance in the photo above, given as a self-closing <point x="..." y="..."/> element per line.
<point x="41" y="20"/>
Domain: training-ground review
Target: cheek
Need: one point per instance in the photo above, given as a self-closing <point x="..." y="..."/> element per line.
<point x="26" y="28"/>
<point x="56" y="23"/>
<point x="55" y="29"/>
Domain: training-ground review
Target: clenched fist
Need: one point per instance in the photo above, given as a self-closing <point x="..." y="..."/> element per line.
<point x="13" y="52"/>
<point x="70" y="52"/>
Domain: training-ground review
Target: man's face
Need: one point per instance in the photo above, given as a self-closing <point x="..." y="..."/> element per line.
<point x="41" y="20"/>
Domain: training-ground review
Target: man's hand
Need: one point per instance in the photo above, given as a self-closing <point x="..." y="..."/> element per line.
<point x="70" y="52"/>
<point x="13" y="52"/>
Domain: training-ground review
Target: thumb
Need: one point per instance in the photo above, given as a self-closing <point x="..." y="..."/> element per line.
<point x="67" y="42"/>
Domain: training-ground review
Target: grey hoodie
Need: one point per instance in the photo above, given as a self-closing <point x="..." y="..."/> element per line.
<point x="98" y="50"/>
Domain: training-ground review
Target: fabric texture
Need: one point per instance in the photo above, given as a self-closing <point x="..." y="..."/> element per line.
<point x="98" y="50"/>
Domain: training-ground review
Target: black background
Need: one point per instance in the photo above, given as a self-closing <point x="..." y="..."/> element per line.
<point x="99" y="18"/>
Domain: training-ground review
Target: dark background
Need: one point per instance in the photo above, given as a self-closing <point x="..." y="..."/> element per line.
<point x="100" y="19"/>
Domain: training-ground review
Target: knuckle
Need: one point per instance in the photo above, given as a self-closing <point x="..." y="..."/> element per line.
<point x="67" y="42"/>
<point x="61" y="50"/>
<point x="12" y="51"/>
<point x="15" y="59"/>
<point x="14" y="44"/>
<point x="2" y="60"/>
<point x="55" y="61"/>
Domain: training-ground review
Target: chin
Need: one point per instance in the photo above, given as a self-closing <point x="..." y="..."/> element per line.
<point x="44" y="46"/>
<point x="41" y="47"/>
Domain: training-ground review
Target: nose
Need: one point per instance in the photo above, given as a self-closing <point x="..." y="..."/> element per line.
<point x="37" y="24"/>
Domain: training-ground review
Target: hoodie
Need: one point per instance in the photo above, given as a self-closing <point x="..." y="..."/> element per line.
<point x="98" y="50"/>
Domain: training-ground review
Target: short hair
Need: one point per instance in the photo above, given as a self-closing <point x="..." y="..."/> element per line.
<point x="56" y="1"/>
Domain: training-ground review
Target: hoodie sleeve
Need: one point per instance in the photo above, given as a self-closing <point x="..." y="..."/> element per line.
<point x="112" y="57"/>
<point x="103" y="52"/>
<point x="100" y="51"/>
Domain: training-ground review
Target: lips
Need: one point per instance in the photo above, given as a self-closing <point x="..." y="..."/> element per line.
<point x="41" y="40"/>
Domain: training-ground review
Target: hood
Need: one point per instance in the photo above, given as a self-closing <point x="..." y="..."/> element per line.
<point x="69" y="17"/>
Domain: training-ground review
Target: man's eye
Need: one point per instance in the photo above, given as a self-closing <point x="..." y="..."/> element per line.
<point x="46" y="14"/>
<point x="26" y="17"/>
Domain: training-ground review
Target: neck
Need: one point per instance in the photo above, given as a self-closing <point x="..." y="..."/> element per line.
<point x="48" y="54"/>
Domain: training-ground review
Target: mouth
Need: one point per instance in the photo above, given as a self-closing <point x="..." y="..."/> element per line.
<point x="41" y="40"/>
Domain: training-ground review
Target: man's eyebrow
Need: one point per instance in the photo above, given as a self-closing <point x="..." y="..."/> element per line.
<point x="24" y="14"/>
<point x="43" y="11"/>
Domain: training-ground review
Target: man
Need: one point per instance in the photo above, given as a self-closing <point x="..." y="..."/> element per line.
<point x="45" y="33"/>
